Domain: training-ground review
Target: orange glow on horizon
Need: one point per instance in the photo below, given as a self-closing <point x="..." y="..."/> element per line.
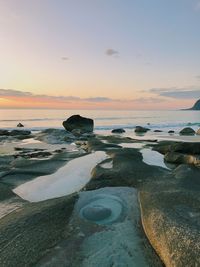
<point x="48" y="103"/>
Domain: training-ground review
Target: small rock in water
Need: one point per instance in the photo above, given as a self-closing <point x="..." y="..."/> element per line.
<point x="171" y="131"/>
<point x="140" y="129"/>
<point x="20" y="124"/>
<point x="119" y="130"/>
<point x="96" y="213"/>
<point x="157" y="131"/>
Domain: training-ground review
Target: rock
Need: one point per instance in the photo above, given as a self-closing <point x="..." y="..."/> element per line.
<point x="29" y="233"/>
<point x="119" y="130"/>
<point x="20" y="124"/>
<point x="140" y="129"/>
<point x="179" y="158"/>
<point x="158" y="131"/>
<point x="196" y="105"/>
<point x="171" y="131"/>
<point x="171" y="220"/>
<point x="186" y="147"/>
<point x="96" y="213"/>
<point x="187" y="131"/>
<point x="198" y="131"/>
<point x="77" y="122"/>
<point x="55" y="136"/>
<point x="76" y="132"/>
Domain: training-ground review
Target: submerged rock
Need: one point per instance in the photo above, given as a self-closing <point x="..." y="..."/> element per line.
<point x="78" y="122"/>
<point x="96" y="213"/>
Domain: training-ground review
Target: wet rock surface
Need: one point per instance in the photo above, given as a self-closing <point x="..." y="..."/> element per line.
<point x="118" y="241"/>
<point x="101" y="226"/>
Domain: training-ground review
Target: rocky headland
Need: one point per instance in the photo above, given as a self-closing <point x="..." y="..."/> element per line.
<point x="135" y="202"/>
<point x="196" y="106"/>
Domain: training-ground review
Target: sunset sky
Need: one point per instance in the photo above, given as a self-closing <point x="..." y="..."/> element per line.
<point x="109" y="54"/>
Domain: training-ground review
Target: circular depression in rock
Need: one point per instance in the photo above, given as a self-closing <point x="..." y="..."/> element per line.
<point x="103" y="209"/>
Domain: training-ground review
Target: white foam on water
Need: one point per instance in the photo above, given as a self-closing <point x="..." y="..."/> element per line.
<point x="68" y="179"/>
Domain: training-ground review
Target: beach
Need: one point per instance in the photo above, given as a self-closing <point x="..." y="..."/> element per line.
<point x="64" y="195"/>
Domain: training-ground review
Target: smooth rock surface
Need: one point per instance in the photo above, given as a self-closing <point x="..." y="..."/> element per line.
<point x="118" y="243"/>
<point x="187" y="131"/>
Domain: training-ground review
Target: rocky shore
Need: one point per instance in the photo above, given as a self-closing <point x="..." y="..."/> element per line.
<point x="138" y="204"/>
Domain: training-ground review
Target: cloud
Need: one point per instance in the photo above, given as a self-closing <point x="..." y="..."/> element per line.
<point x="65" y="58"/>
<point x="11" y="93"/>
<point x="177" y="93"/>
<point x="148" y="100"/>
<point x="111" y="52"/>
<point x="197" y="77"/>
<point x="99" y="99"/>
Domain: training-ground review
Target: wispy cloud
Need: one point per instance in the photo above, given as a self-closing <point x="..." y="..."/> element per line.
<point x="178" y="93"/>
<point x="10" y="93"/>
<point x="111" y="52"/>
<point x="197" y="77"/>
<point x="65" y="58"/>
<point x="160" y="99"/>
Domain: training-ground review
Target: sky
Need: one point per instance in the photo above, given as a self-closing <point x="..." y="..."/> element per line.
<point x="99" y="54"/>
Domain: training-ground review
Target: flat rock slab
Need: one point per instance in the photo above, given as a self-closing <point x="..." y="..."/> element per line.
<point x="106" y="231"/>
<point x="171" y="218"/>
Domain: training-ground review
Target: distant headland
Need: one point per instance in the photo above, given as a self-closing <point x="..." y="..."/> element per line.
<point x="196" y="106"/>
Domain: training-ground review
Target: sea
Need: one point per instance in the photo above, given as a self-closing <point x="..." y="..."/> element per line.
<point x="104" y="120"/>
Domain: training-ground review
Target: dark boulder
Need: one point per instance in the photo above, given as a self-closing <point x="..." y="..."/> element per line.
<point x="187" y="131"/>
<point x="119" y="131"/>
<point x="83" y="124"/>
<point x="140" y="129"/>
<point x="171" y="131"/>
<point x="20" y="125"/>
<point x="179" y="158"/>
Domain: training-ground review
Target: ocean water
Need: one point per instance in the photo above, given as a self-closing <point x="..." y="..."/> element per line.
<point x="105" y="121"/>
